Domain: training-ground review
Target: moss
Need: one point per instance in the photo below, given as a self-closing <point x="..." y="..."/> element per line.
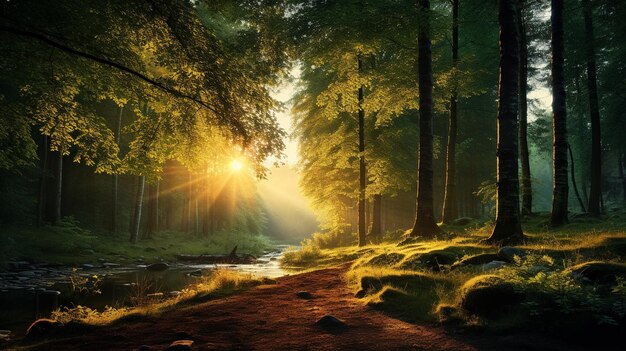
<point x="599" y="272"/>
<point x="488" y="296"/>
<point x="385" y="259"/>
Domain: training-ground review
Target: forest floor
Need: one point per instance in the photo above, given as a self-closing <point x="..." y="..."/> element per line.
<point x="273" y="317"/>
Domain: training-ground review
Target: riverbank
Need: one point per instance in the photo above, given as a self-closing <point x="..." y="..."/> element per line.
<point x="281" y="316"/>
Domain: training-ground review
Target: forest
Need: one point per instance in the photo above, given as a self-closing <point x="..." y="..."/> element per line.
<point x="312" y="175"/>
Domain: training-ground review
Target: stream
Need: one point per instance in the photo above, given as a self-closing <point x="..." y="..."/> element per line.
<point x="31" y="291"/>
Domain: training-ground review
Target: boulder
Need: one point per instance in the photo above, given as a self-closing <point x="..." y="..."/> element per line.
<point x="508" y="253"/>
<point x="433" y="260"/>
<point x="331" y="324"/>
<point x="304" y="295"/>
<point x="158" y="267"/>
<point x="180" y="345"/>
<point x="597" y="272"/>
<point x="488" y="295"/>
<point x="42" y="328"/>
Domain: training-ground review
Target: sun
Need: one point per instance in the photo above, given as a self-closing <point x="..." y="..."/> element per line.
<point x="236" y="165"/>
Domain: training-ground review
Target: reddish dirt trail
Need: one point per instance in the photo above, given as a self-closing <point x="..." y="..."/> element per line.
<point x="272" y="317"/>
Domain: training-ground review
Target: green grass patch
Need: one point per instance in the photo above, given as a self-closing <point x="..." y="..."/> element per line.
<point x="68" y="243"/>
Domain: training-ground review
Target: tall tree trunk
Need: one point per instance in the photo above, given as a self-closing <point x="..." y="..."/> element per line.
<point x="134" y="234"/>
<point x="186" y="213"/>
<point x="115" y="190"/>
<point x="621" y="164"/>
<point x="596" y="141"/>
<point x="527" y="191"/>
<point x="559" y="120"/>
<point x="376" y="230"/>
<point x="58" y="197"/>
<point x="153" y="209"/>
<point x="43" y="183"/>
<point x="508" y="228"/>
<point x="573" y="175"/>
<point x="362" y="174"/>
<point x="449" y="212"/>
<point x="206" y="216"/>
<point x="425" y="225"/>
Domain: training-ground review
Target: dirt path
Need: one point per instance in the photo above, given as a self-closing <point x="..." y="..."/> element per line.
<point x="272" y="317"/>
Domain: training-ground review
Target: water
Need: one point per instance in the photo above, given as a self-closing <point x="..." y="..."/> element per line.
<point x="28" y="296"/>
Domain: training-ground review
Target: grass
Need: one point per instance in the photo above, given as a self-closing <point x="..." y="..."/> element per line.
<point x="416" y="281"/>
<point x="69" y="244"/>
<point x="218" y="283"/>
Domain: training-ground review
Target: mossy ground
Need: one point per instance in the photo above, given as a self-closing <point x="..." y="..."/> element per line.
<point x="67" y="243"/>
<point x="415" y="280"/>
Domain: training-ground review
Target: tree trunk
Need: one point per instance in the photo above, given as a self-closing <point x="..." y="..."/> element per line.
<point x="43" y="183"/>
<point x="186" y="213"/>
<point x="449" y="212"/>
<point x="527" y="191"/>
<point x="376" y="230"/>
<point x="425" y="225"/>
<point x="508" y="229"/>
<point x="362" y="174"/>
<point x="559" y="120"/>
<point x="134" y="234"/>
<point x="596" y="142"/>
<point x="59" y="189"/>
<point x="153" y="209"/>
<point x="573" y="175"/>
<point x="115" y="190"/>
<point x="621" y="164"/>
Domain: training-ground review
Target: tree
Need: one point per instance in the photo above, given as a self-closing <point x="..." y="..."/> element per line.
<point x="508" y="228"/>
<point x="595" y="191"/>
<point x="425" y="225"/>
<point x="527" y="191"/>
<point x="362" y="166"/>
<point x="450" y="206"/>
<point x="559" y="120"/>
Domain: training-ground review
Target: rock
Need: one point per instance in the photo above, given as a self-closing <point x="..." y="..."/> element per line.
<point x="110" y="265"/>
<point x="462" y="221"/>
<point x="145" y="348"/>
<point x="27" y="273"/>
<point x="180" y="345"/>
<point x="43" y="328"/>
<point x="433" y="260"/>
<point x="331" y="323"/>
<point x="304" y="295"/>
<point x="150" y="249"/>
<point x="158" y="267"/>
<point x="492" y="265"/>
<point x="273" y="258"/>
<point x="477" y="260"/>
<point x="487" y="295"/>
<point x="89" y="252"/>
<point x="87" y="265"/>
<point x="597" y="272"/>
<point x="174" y="293"/>
<point x="196" y="273"/>
<point x="508" y="253"/>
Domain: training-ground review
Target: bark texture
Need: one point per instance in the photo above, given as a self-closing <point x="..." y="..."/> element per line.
<point x="449" y="212"/>
<point x="425" y="225"/>
<point x="508" y="229"/>
<point x="560" y="187"/>
<point x="573" y="175"/>
<point x="58" y="196"/>
<point x="115" y="190"/>
<point x="376" y="230"/>
<point x="527" y="191"/>
<point x="134" y="233"/>
<point x="362" y="170"/>
<point x="595" y="190"/>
